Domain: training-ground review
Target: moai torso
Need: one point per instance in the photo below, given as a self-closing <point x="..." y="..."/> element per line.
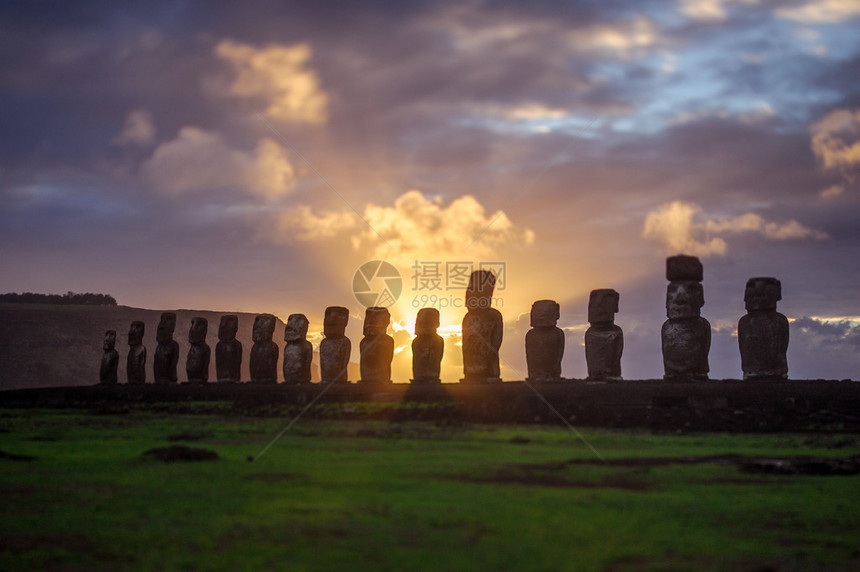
<point x="228" y="350"/>
<point x="604" y="341"/>
<point x="376" y="347"/>
<point x="763" y="332"/>
<point x="686" y="336"/>
<point x="544" y="342"/>
<point x="110" y="360"/>
<point x="136" y="363"/>
<point x="197" y="364"/>
<point x="335" y="349"/>
<point x="427" y="347"/>
<point x="264" y="352"/>
<point x="482" y="331"/>
<point x="167" y="351"/>
<point x="298" y="351"/>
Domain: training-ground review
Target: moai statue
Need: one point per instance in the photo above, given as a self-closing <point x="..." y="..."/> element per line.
<point x="228" y="350"/>
<point x="376" y="347"/>
<point x="298" y="352"/>
<point x="763" y="332"/>
<point x="135" y="367"/>
<point x="110" y="359"/>
<point x="544" y="342"/>
<point x="686" y="335"/>
<point x="197" y="364"/>
<point x="604" y="341"/>
<point x="167" y="351"/>
<point x="335" y="347"/>
<point x="482" y="331"/>
<point x="264" y="352"/>
<point x="427" y="347"/>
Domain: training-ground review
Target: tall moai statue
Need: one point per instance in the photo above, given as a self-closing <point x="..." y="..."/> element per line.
<point x="228" y="350"/>
<point x="135" y="367"/>
<point x="197" y="364"/>
<point x="763" y="332"/>
<point x="604" y="341"/>
<point x="544" y="342"/>
<point x="264" y="352"/>
<point x="427" y="347"/>
<point x="482" y="331"/>
<point x="335" y="347"/>
<point x="167" y="351"/>
<point x="298" y="351"/>
<point x="110" y="360"/>
<point x="686" y="335"/>
<point x="376" y="347"/>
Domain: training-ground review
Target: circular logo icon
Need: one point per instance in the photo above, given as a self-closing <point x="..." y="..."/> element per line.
<point x="377" y="283"/>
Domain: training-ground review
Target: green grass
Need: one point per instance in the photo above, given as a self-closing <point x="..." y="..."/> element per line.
<point x="334" y="495"/>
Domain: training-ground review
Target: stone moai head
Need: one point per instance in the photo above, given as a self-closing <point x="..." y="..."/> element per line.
<point x="479" y="293"/>
<point x="135" y="333"/>
<point x="335" y="321"/>
<point x="376" y="321"/>
<point x="228" y="327"/>
<point x="602" y="306"/>
<point x="762" y="294"/>
<point x="110" y="340"/>
<point x="198" y="331"/>
<point x="264" y="328"/>
<point x="166" y="327"/>
<point x="427" y="321"/>
<point x="545" y="314"/>
<point x="684" y="299"/>
<point x="684" y="267"/>
<point x="297" y="328"/>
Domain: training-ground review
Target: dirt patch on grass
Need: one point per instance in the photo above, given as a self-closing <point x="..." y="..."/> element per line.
<point x="277" y="477"/>
<point x="189" y="436"/>
<point x="15" y="457"/>
<point x="539" y="477"/>
<point x="179" y="453"/>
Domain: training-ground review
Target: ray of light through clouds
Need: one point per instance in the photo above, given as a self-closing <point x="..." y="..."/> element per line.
<point x="200" y="155"/>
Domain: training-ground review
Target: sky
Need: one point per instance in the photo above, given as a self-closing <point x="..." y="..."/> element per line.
<point x="251" y="156"/>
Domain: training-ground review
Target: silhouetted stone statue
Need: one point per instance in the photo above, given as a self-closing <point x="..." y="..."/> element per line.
<point x="135" y="367"/>
<point x="763" y="332"/>
<point x="604" y="341"/>
<point x="167" y="351"/>
<point x="482" y="331"/>
<point x="197" y="364"/>
<point x="427" y="347"/>
<point x="228" y="350"/>
<point x="376" y="347"/>
<point x="686" y="336"/>
<point x="298" y="352"/>
<point x="110" y="359"/>
<point x="544" y="342"/>
<point x="335" y="347"/>
<point x="264" y="352"/>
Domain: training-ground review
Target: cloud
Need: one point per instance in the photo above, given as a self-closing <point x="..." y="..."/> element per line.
<point x="414" y="227"/>
<point x="836" y="139"/>
<point x="674" y="226"/>
<point x="821" y="11"/>
<point x="199" y="161"/>
<point x="280" y="76"/>
<point x="138" y="129"/>
<point x="708" y="10"/>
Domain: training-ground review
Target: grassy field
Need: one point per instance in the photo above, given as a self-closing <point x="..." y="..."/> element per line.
<point x="336" y="495"/>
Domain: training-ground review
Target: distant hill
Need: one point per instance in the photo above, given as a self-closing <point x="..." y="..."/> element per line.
<point x="43" y="345"/>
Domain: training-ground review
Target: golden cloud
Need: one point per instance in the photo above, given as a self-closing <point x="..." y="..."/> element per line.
<point x="414" y="227"/>
<point x="137" y="130"/>
<point x="821" y="11"/>
<point x="198" y="160"/>
<point x="836" y="139"/>
<point x="674" y="225"/>
<point x="278" y="75"/>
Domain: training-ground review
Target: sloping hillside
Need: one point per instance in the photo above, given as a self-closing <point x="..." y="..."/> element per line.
<point x="47" y="345"/>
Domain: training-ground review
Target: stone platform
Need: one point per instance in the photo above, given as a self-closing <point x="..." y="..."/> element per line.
<point x="717" y="405"/>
